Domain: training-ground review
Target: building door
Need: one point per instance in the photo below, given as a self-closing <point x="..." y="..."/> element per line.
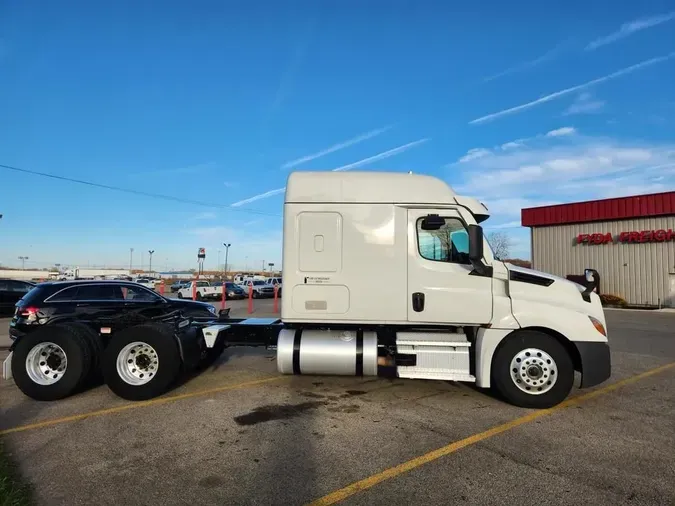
<point x="441" y="288"/>
<point x="670" y="301"/>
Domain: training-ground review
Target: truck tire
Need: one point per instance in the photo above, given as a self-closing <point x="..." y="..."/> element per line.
<point x="180" y="295"/>
<point x="93" y="341"/>
<point x="532" y="369"/>
<point x="51" y="363"/>
<point x="141" y="362"/>
<point x="200" y="296"/>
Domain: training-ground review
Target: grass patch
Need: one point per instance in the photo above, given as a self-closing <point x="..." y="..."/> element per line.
<point x="13" y="491"/>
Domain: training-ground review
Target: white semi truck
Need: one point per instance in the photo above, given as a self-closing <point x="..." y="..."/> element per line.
<point x="389" y="273"/>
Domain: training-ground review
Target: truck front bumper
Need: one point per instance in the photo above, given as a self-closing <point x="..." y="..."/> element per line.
<point x="596" y="364"/>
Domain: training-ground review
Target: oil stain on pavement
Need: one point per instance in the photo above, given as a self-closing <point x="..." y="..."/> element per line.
<point x="285" y="411"/>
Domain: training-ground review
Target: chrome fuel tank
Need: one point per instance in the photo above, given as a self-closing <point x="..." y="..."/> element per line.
<point x="331" y="352"/>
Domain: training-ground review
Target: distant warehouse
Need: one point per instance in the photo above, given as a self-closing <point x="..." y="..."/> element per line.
<point x="630" y="241"/>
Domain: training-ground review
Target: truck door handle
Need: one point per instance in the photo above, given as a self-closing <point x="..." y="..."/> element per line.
<point x="418" y="302"/>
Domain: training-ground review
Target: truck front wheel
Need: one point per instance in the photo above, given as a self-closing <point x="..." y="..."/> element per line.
<point x="532" y="369"/>
<point x="141" y="362"/>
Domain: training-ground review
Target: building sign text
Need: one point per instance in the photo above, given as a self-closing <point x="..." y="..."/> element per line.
<point x="627" y="237"/>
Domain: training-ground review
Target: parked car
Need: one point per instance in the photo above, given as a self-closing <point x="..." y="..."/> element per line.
<point x="275" y="282"/>
<point x="146" y="282"/>
<point x="98" y="304"/>
<point x="232" y="290"/>
<point x="177" y="285"/>
<point x="260" y="288"/>
<point x="11" y="290"/>
<point x="203" y="291"/>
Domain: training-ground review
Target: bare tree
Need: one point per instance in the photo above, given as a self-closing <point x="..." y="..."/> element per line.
<point x="500" y="244"/>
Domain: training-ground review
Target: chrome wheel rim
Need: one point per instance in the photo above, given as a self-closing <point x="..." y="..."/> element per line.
<point x="534" y="371"/>
<point x="46" y="363"/>
<point x="137" y="363"/>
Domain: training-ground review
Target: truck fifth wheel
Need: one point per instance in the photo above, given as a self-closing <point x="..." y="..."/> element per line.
<point x="389" y="273"/>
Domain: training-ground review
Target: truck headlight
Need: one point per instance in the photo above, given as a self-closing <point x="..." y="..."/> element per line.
<point x="598" y="325"/>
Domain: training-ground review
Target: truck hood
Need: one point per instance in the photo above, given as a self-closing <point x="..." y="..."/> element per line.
<point x="530" y="284"/>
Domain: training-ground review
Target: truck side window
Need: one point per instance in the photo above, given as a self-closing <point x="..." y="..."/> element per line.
<point x="450" y="243"/>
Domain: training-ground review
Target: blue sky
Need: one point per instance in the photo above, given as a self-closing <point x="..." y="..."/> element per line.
<point x="519" y="104"/>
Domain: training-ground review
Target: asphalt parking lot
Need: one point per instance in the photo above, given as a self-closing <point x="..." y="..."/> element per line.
<point x="241" y="434"/>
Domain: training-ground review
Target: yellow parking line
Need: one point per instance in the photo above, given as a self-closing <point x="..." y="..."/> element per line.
<point x="392" y="472"/>
<point x="141" y="404"/>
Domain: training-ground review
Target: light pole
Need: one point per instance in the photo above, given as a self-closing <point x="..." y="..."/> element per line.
<point x="131" y="259"/>
<point x="227" y="250"/>
<point x="23" y="262"/>
<point x="150" y="252"/>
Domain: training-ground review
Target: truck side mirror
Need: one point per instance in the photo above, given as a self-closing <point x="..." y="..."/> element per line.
<point x="432" y="222"/>
<point x="475" y="243"/>
<point x="476" y="251"/>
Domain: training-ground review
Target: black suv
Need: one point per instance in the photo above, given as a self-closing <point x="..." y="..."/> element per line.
<point x="111" y="305"/>
<point x="11" y="290"/>
<point x="66" y="333"/>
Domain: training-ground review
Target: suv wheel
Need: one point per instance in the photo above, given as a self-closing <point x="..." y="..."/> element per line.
<point x="51" y="363"/>
<point x="141" y="362"/>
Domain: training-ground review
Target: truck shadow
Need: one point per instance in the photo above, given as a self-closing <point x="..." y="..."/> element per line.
<point x="287" y="469"/>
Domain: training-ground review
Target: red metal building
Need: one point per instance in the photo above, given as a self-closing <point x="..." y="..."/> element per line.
<point x="630" y="241"/>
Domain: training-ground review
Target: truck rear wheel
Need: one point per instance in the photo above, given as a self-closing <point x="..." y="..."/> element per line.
<point x="141" y="362"/>
<point x="51" y="363"/>
<point x="532" y="369"/>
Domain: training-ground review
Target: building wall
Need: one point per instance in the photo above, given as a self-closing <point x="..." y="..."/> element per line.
<point x="641" y="273"/>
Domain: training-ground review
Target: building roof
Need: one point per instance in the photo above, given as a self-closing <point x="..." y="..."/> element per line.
<point x="638" y="206"/>
<point x="367" y="187"/>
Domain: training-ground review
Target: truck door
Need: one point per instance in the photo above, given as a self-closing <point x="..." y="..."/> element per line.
<point x="441" y="286"/>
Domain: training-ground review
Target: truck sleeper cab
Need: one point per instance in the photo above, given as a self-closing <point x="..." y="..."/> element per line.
<point x="392" y="270"/>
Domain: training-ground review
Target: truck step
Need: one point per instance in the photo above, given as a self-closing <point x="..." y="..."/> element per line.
<point x="432" y="339"/>
<point x="438" y="355"/>
<point x="435" y="374"/>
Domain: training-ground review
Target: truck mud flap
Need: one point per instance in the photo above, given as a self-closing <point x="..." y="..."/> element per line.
<point x="7" y="367"/>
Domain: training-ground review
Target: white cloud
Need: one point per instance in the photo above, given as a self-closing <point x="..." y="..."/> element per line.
<point x="381" y="156"/>
<point x="259" y="197"/>
<point x="551" y="168"/>
<point x="630" y="28"/>
<point x="513" y="144"/>
<point x="584" y="104"/>
<point x="335" y="147"/>
<point x="526" y="65"/>
<point x="350" y="166"/>
<point x="573" y="89"/>
<point x="560" y="132"/>
<point x="474" y="153"/>
<point x="547" y="170"/>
